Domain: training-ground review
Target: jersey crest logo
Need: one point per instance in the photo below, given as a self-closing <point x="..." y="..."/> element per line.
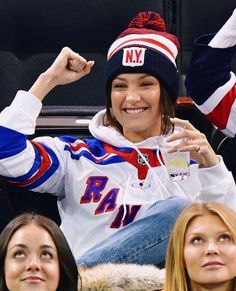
<point x="141" y="161"/>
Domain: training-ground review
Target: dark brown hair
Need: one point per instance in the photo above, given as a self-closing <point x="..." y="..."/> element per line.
<point x="68" y="269"/>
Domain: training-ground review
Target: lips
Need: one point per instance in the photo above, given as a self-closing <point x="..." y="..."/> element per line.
<point x="212" y="263"/>
<point x="33" y="279"/>
<point x="134" y="110"/>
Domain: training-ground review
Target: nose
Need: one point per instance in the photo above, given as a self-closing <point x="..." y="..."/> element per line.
<point x="212" y="249"/>
<point x="132" y="97"/>
<point x="33" y="264"/>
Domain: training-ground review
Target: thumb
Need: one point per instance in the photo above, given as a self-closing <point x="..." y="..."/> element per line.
<point x="88" y="67"/>
<point x="86" y="70"/>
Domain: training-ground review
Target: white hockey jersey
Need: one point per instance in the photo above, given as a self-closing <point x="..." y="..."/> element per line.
<point x="102" y="183"/>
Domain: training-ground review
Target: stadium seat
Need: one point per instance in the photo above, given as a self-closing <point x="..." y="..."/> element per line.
<point x="194" y="18"/>
<point x="6" y="208"/>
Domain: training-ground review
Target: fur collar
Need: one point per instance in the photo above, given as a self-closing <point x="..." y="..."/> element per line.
<point x="118" y="277"/>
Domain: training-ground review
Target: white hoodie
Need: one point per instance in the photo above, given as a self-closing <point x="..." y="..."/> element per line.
<point x="102" y="183"/>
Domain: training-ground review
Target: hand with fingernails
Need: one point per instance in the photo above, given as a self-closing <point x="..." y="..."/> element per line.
<point x="68" y="67"/>
<point x="195" y="142"/>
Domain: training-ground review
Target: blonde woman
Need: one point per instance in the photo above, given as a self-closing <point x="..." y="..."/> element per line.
<point x="201" y="253"/>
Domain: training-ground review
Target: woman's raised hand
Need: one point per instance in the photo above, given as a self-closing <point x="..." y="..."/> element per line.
<point x="68" y="67"/>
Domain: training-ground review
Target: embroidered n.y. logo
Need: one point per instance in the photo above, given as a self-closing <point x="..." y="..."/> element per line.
<point x="133" y="56"/>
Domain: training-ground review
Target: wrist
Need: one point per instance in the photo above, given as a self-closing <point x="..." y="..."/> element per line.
<point x="43" y="85"/>
<point x="210" y="162"/>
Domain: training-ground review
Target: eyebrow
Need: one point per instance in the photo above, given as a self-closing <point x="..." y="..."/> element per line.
<point x="25" y="246"/>
<point x="19" y="245"/>
<point x="218" y="232"/>
<point x="140" y="77"/>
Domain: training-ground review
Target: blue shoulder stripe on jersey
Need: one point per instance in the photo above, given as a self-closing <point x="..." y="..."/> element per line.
<point x="95" y="146"/>
<point x="67" y="138"/>
<point x="124" y="149"/>
<point x="43" y="178"/>
<point x="49" y="172"/>
<point x="32" y="171"/>
<point x="94" y="143"/>
<point x="89" y="156"/>
<point x="11" y="142"/>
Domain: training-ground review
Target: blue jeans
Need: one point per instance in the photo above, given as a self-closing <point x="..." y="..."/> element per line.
<point x="143" y="241"/>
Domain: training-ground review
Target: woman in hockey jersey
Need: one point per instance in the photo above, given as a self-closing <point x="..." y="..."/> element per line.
<point x="116" y="201"/>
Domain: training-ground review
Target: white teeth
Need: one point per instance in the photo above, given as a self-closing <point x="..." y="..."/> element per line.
<point x="135" y="110"/>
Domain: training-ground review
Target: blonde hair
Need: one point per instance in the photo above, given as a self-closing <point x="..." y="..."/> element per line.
<point x="176" y="274"/>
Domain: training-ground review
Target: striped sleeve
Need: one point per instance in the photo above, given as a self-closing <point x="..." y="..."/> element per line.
<point x="36" y="165"/>
<point x="30" y="164"/>
<point x="212" y="84"/>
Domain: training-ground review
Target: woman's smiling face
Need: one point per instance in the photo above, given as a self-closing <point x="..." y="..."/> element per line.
<point x="136" y="105"/>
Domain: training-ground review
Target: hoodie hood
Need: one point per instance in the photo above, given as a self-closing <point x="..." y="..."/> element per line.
<point x="110" y="135"/>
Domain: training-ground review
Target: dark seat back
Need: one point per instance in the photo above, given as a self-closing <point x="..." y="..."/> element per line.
<point x="33" y="32"/>
<point x="6" y="207"/>
<point x="194" y="18"/>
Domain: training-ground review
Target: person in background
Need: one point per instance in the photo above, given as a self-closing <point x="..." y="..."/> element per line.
<point x="116" y="200"/>
<point x="201" y="254"/>
<point x="210" y="80"/>
<point x="34" y="255"/>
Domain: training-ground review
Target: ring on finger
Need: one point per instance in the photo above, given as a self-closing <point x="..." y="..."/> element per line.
<point x="199" y="150"/>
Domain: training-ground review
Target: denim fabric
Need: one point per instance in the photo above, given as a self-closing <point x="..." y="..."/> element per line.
<point x="143" y="241"/>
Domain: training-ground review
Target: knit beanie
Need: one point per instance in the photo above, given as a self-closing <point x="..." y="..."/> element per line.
<point x="145" y="47"/>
